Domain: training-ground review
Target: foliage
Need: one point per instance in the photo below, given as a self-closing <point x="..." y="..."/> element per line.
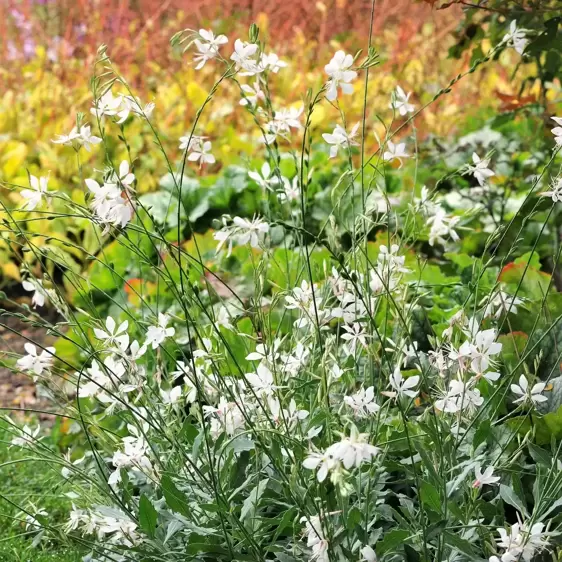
<point x="30" y="486"/>
<point x="358" y="361"/>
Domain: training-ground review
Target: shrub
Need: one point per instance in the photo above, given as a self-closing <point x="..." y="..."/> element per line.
<point x="351" y="366"/>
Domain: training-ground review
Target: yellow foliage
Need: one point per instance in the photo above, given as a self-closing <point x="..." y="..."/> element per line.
<point x="13" y="158"/>
<point x="11" y="270"/>
<point x="196" y="93"/>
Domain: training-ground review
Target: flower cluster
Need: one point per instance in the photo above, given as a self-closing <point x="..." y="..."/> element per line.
<point x="344" y="358"/>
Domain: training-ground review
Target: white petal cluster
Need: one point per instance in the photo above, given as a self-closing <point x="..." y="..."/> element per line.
<point x="241" y="231"/>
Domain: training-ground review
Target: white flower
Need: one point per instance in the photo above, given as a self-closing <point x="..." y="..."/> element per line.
<point x="262" y="381"/>
<point x="104" y="195"/>
<point x="36" y="363"/>
<point x="442" y="226"/>
<point x="484" y="347"/>
<point x="461" y="398"/>
<point x="69" y="139"/>
<point x="202" y="153"/>
<point x="485" y="478"/>
<point x="557" y="131"/>
<point x="226" y="417"/>
<point x="353" y="450"/>
<point x="338" y="69"/>
<point x="395" y="152"/>
<point x="521" y="543"/>
<point x="273" y="62"/>
<point x="324" y="462"/>
<point x="291" y="191"/>
<point x="107" y="105"/>
<point x="252" y="95"/>
<point x="155" y="335"/>
<point x="368" y="554"/>
<point x="207" y="46"/>
<point x="242" y="57"/>
<point x="263" y="353"/>
<point x="410" y="352"/>
<point x="516" y="38"/>
<point x="527" y="394"/>
<point x="249" y="231"/>
<point x="121" y="529"/>
<point x="363" y="402"/>
<point x="402" y="386"/>
<point x="391" y="260"/>
<point x="39" y="293"/>
<point x="35" y="195"/>
<point x="339" y="138"/>
<point x="288" y="118"/>
<point x="114" y="337"/>
<point x="78" y="137"/>
<point x="191" y="142"/>
<point x="400" y="102"/>
<point x="130" y="104"/>
<point x="555" y="192"/>
<point x="501" y="302"/>
<point x="134" y="455"/>
<point x="120" y="107"/>
<point x="242" y="231"/>
<point x="26" y="437"/>
<point x="86" y="139"/>
<point x="224" y="318"/>
<point x="123" y="176"/>
<point x="315" y="538"/>
<point x="480" y="169"/>
<point x="171" y="396"/>
<point x="80" y="518"/>
<point x="97" y="380"/>
<point x="266" y="179"/>
<point x="110" y="207"/>
<point x="355" y="334"/>
<point x="283" y="121"/>
<point x="301" y="296"/>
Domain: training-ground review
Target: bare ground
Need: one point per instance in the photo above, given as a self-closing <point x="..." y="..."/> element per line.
<point x="17" y="391"/>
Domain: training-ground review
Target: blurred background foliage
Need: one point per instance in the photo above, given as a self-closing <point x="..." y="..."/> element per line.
<point x="48" y="56"/>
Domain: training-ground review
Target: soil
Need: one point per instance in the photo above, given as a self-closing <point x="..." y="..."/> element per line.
<point x="18" y="393"/>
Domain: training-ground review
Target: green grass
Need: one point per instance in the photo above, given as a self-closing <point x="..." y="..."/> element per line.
<point x="17" y="549"/>
<point x="24" y="484"/>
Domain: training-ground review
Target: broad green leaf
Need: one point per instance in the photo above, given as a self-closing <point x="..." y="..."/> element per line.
<point x="175" y="499"/>
<point x="148" y="516"/>
<point x="251" y="502"/>
<point x="430" y="497"/>
<point x="481" y="434"/>
<point x="392" y="541"/>
<point x="509" y="496"/>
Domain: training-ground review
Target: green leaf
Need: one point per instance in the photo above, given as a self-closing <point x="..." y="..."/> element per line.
<point x="481" y="434"/>
<point x="532" y="258"/>
<point x="513" y="347"/>
<point x="285" y="521"/>
<point x="553" y="422"/>
<point x="148" y="516"/>
<point x="175" y="499"/>
<point x="251" y="502"/>
<point x="461" y="260"/>
<point x="392" y="541"/>
<point x="509" y="496"/>
<point x="163" y="207"/>
<point x="412" y="555"/>
<point x="462" y="545"/>
<point x="208" y="548"/>
<point x="430" y="497"/>
<point x="199" y="210"/>
<point x="539" y="455"/>
<point x="354" y="518"/>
